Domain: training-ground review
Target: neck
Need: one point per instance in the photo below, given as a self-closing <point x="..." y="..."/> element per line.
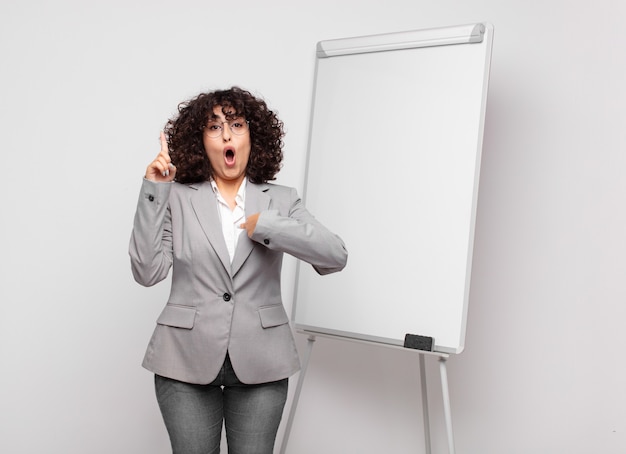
<point x="229" y="188"/>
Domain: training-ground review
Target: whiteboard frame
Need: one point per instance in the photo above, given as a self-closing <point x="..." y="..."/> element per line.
<point x="460" y="34"/>
<point x="457" y="35"/>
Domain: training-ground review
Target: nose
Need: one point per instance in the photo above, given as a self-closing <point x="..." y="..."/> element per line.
<point x="226" y="133"/>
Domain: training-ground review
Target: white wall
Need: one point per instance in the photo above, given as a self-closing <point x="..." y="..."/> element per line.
<point x="85" y="88"/>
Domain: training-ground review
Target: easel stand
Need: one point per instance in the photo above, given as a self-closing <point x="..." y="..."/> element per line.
<point x="443" y="357"/>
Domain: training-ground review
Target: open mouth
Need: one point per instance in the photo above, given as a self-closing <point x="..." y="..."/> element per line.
<point x="229" y="156"/>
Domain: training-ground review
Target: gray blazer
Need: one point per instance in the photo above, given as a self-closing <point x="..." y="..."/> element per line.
<point x="215" y="307"/>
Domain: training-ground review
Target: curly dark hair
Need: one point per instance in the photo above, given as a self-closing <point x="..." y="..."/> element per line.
<point x="184" y="134"/>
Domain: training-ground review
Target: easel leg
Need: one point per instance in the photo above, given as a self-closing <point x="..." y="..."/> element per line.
<point x="425" y="405"/>
<point x="296" y="397"/>
<point x="446" y="403"/>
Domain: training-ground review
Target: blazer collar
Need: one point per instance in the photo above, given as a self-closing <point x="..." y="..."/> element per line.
<point x="204" y="204"/>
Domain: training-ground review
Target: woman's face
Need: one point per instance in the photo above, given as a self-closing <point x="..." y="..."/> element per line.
<point x="228" y="152"/>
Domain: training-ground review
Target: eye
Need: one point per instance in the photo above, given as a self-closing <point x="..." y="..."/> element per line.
<point x="238" y="124"/>
<point x="214" y="127"/>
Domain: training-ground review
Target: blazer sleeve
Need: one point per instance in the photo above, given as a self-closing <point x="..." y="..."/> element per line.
<point x="301" y="235"/>
<point x="150" y="247"/>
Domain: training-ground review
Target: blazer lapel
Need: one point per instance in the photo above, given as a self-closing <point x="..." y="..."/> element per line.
<point x="257" y="200"/>
<point x="204" y="204"/>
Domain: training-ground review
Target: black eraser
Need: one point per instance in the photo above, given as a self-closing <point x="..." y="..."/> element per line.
<point x="419" y="342"/>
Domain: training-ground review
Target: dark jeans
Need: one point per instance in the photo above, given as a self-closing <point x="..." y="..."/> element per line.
<point x="193" y="414"/>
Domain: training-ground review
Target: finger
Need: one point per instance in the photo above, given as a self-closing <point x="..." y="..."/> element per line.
<point x="166" y="168"/>
<point x="162" y="167"/>
<point x="160" y="164"/>
<point x="171" y="170"/>
<point x="164" y="156"/>
<point x="164" y="147"/>
<point x="154" y="171"/>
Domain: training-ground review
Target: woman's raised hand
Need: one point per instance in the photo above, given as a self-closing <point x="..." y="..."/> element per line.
<point x="161" y="169"/>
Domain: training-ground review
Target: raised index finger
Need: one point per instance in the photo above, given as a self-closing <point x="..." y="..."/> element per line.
<point x="164" y="147"/>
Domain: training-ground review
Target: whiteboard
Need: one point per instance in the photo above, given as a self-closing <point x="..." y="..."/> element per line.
<point x="393" y="167"/>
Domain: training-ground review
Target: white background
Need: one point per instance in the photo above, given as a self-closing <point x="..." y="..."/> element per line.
<point x="85" y="88"/>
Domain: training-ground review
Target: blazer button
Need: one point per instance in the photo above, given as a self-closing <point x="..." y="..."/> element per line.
<point x="266" y="241"/>
<point x="226" y="296"/>
<point x="151" y="198"/>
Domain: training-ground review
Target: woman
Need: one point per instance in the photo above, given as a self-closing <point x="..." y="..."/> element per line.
<point x="223" y="348"/>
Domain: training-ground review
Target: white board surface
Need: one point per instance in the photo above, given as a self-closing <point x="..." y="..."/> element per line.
<point x="393" y="168"/>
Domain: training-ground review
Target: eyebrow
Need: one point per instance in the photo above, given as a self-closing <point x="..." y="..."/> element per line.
<point x="232" y="117"/>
